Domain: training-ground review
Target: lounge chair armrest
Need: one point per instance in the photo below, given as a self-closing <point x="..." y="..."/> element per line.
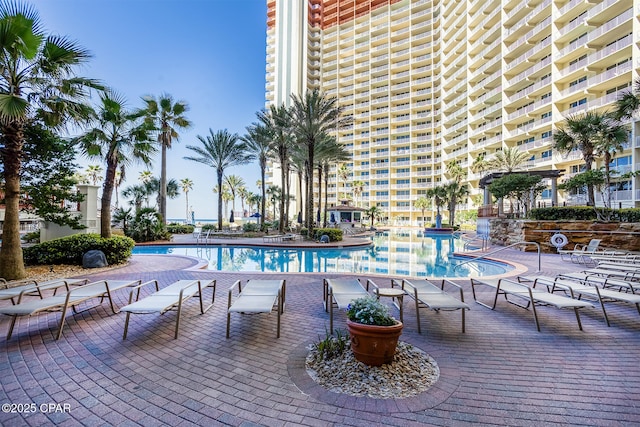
<point x="449" y="282"/>
<point x="136" y="289"/>
<point x="375" y="287"/>
<point x="231" y="289"/>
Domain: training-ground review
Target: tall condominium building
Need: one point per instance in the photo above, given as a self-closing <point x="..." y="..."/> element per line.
<point x="430" y="81"/>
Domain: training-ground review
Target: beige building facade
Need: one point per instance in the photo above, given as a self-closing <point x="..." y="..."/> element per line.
<point x="429" y="81"/>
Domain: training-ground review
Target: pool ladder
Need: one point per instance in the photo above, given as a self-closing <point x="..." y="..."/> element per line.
<point x="470" y="242"/>
<point x="502" y="249"/>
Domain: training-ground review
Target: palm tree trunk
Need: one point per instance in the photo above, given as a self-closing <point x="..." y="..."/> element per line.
<point x="162" y="194"/>
<point x="220" y="173"/>
<point x="263" y="202"/>
<point x="326" y="198"/>
<point x="186" y="196"/>
<point x="320" y="188"/>
<point x="283" y="183"/>
<point x="300" y="192"/>
<point x="107" y="193"/>
<point x="11" y="261"/>
<point x="310" y="202"/>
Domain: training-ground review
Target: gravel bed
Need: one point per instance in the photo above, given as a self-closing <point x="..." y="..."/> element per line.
<point x="411" y="372"/>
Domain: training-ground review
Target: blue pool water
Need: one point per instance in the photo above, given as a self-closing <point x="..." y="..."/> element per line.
<point x="395" y="254"/>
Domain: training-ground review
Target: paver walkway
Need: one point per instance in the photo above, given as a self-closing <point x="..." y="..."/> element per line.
<point x="500" y="372"/>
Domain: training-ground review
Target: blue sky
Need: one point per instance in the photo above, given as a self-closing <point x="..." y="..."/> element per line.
<point x="209" y="53"/>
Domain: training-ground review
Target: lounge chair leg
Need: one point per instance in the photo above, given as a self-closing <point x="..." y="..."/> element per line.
<point x="330" y="303"/>
<point x="13" y="323"/>
<point x="126" y="326"/>
<point x="535" y="314"/>
<point x="418" y="314"/>
<point x="462" y="309"/>
<point x="578" y="317"/>
<point x="279" y="313"/>
<point x="175" y="336"/>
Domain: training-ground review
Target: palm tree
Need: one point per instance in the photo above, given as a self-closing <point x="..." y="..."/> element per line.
<point x="37" y="81"/>
<point x="118" y="139"/>
<point x="328" y="152"/>
<point x="456" y="171"/>
<point x="423" y="204"/>
<point x="220" y="150"/>
<point x="373" y="212"/>
<point x="275" y="194"/>
<point x="118" y="181"/>
<point x="314" y="117"/>
<point x="580" y="133"/>
<point x="145" y="176"/>
<point x="243" y="194"/>
<point x="277" y="124"/>
<point x="93" y="173"/>
<point x="259" y="143"/>
<point x="123" y="216"/>
<point x="454" y="192"/>
<point x="234" y="183"/>
<point x="167" y="117"/>
<point x="153" y="187"/>
<point x="344" y="173"/>
<point x="629" y="103"/>
<point x="358" y="188"/>
<point x="507" y="160"/>
<point x="187" y="185"/>
<point x="137" y="193"/>
<point x="610" y="139"/>
<point x="438" y="195"/>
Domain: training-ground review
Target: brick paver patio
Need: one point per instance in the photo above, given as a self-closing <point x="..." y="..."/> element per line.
<point x="500" y="372"/>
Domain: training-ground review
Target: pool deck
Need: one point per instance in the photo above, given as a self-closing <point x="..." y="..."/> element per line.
<point x="500" y="372"/>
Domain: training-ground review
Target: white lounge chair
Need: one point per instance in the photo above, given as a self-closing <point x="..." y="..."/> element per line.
<point x="257" y="296"/>
<point x="579" y="251"/>
<point x="35" y="288"/>
<point x="533" y="297"/>
<point x="101" y="289"/>
<point x="426" y="294"/>
<point x="171" y="297"/>
<point x="585" y="288"/>
<point x="341" y="292"/>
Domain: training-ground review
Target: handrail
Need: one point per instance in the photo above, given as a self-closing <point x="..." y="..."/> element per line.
<point x="503" y="248"/>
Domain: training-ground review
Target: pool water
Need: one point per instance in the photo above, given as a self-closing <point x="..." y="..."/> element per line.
<point x="393" y="253"/>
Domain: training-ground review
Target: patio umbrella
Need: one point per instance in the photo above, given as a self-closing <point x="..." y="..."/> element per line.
<point x="193" y="217"/>
<point x="318" y="217"/>
<point x="299" y="217"/>
<point x="333" y="218"/>
<point x="256" y="215"/>
<point x="231" y="217"/>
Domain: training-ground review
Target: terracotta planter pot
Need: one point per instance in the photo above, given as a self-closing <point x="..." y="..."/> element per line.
<point x="374" y="345"/>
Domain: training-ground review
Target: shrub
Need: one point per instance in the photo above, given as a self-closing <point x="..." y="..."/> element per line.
<point x="147" y="227"/>
<point x="330" y="347"/>
<point x="32" y="237"/>
<point x="180" y="228"/>
<point x="70" y="250"/>
<point x="583" y="213"/>
<point x="335" y="234"/>
<point x="559" y="213"/>
<point x="250" y="227"/>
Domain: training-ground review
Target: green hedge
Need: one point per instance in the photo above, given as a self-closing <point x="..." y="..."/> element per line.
<point x="335" y="234"/>
<point x="582" y="213"/>
<point x="69" y="250"/>
<point x="180" y="229"/>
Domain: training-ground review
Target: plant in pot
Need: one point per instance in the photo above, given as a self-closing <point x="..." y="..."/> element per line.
<point x="374" y="333"/>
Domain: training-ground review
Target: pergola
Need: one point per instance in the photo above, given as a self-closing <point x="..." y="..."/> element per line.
<point x="553" y="175"/>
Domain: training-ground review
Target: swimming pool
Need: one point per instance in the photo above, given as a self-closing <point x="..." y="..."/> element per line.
<point x="396" y="254"/>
